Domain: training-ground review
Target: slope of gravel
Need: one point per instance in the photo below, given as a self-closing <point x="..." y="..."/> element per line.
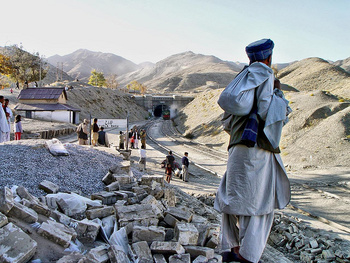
<point x="28" y="162"/>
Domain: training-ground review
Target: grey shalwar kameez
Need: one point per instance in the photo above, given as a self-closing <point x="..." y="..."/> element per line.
<point x="255" y="182"/>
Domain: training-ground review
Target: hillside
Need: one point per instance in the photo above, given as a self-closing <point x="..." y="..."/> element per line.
<point x="80" y="63"/>
<point x="318" y="133"/>
<point x="344" y="64"/>
<point x="316" y="74"/>
<point x="184" y="72"/>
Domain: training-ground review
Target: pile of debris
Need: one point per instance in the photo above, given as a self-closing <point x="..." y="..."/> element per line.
<point x="295" y="238"/>
<point x="133" y="220"/>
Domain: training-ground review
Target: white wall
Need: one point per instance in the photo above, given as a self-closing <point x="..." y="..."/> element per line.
<point x="63" y="116"/>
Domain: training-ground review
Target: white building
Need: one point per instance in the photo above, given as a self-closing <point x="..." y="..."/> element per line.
<point x="48" y="104"/>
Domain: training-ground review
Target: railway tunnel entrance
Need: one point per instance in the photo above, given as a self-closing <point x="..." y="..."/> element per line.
<point x="159" y="110"/>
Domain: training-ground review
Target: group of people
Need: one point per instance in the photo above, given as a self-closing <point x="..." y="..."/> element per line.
<point x="99" y="136"/>
<point x="135" y="137"/>
<point x="6" y="116"/>
<point x="170" y="165"/>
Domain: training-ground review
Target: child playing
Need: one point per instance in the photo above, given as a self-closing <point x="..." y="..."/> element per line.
<point x="168" y="172"/>
<point x="18" y="127"/>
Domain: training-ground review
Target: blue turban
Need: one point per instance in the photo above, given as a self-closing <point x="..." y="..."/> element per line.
<point x="260" y="50"/>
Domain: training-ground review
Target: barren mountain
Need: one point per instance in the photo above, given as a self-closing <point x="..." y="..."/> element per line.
<point x="318" y="133"/>
<point x="80" y="63"/>
<point x="316" y="74"/>
<point x="184" y="72"/>
<point x="345" y="64"/>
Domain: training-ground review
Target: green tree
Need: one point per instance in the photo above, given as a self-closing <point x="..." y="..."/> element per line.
<point x="26" y="67"/>
<point x="97" y="79"/>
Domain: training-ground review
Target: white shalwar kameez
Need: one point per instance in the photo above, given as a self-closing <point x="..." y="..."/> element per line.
<point x="255" y="183"/>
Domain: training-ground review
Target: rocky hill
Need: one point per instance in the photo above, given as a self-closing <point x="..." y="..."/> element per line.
<point x="184" y="72"/>
<point x="316" y="74"/>
<point x="318" y="133"/>
<point x="80" y="63"/>
<point x="345" y="64"/>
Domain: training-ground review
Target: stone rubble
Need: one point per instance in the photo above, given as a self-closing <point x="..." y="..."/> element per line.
<point x="139" y="219"/>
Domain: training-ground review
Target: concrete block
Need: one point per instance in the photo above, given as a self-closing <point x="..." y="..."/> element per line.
<point x="169" y="234"/>
<point x="170" y="197"/>
<point x="328" y="255"/>
<point x="171" y="220"/>
<point x="180" y="213"/>
<point x="196" y="251"/>
<point x="71" y="206"/>
<point x="136" y="212"/>
<point x="149" y="234"/>
<point x="24" y="194"/>
<point x="151" y="221"/>
<point x="213" y="242"/>
<point x="149" y="179"/>
<point x="216" y="259"/>
<point x="197" y="219"/>
<point x="112" y="187"/>
<point x="159" y="247"/>
<point x="55" y="234"/>
<point x="6" y="200"/>
<point x="150" y="199"/>
<point x="16" y="246"/>
<point x="143" y="252"/>
<point x="87" y="230"/>
<point x="3" y="220"/>
<point x="306" y="257"/>
<point x="200" y="259"/>
<point x="38" y="207"/>
<point x="97" y="255"/>
<point x="49" y="187"/>
<point x="24" y="213"/>
<point x="107" y="198"/>
<point x="61" y="218"/>
<point x="139" y="190"/>
<point x="108" y="178"/>
<point x="186" y="234"/>
<point x="123" y="167"/>
<point x="203" y="232"/>
<point x="123" y="179"/>
<point x="180" y="258"/>
<point x="159" y="258"/>
<point x="71" y="258"/>
<point x="117" y="255"/>
<point x="100" y="212"/>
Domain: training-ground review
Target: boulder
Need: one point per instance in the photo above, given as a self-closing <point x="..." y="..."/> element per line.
<point x="49" y="187"/>
<point x="6" y="200"/>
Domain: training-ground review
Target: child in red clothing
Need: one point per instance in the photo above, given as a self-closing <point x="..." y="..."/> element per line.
<point x="168" y="172"/>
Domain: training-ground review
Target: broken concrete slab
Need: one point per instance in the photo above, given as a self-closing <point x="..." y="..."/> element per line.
<point x="171" y="220"/>
<point x="159" y="258"/>
<point x="71" y="258"/>
<point x="169" y="197"/>
<point x="24" y="194"/>
<point x="112" y="187"/>
<point x="24" y="213"/>
<point x="99" y="212"/>
<point x="6" y="200"/>
<point x="16" y="246"/>
<point x="107" y="198"/>
<point x="142" y="251"/>
<point x="196" y="251"/>
<point x="149" y="179"/>
<point x="200" y="259"/>
<point x="38" y="207"/>
<point x="186" y="234"/>
<point x="181" y="213"/>
<point x="55" y="234"/>
<point x="49" y="187"/>
<point x="160" y="247"/>
<point x="3" y="220"/>
<point x="180" y="258"/>
<point x="117" y="255"/>
<point x="148" y="234"/>
<point x="87" y="230"/>
<point x="97" y="255"/>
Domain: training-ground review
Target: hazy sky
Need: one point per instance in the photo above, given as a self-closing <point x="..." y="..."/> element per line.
<point x="151" y="30"/>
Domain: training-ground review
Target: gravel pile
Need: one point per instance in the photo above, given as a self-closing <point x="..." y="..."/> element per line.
<point x="29" y="162"/>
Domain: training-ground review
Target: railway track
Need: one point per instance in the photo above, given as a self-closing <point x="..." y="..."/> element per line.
<point x="326" y="199"/>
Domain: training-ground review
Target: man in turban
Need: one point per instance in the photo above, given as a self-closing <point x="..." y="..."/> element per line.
<point x="255" y="182"/>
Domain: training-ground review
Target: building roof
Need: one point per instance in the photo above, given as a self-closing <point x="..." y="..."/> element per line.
<point x="45" y="107"/>
<point x="41" y="93"/>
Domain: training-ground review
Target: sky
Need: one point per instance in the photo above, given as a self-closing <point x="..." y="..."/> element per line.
<point x="152" y="30"/>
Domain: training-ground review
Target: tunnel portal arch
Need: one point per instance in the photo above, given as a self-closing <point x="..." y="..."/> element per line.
<point x="158" y="110"/>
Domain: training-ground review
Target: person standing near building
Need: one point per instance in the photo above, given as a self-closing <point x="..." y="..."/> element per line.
<point x="95" y="129"/>
<point x="82" y="131"/>
<point x="143" y="138"/>
<point x="255" y="182"/>
<point x="121" y="140"/>
<point x="17" y="128"/>
<point x="185" y="164"/>
<point x="4" y="127"/>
